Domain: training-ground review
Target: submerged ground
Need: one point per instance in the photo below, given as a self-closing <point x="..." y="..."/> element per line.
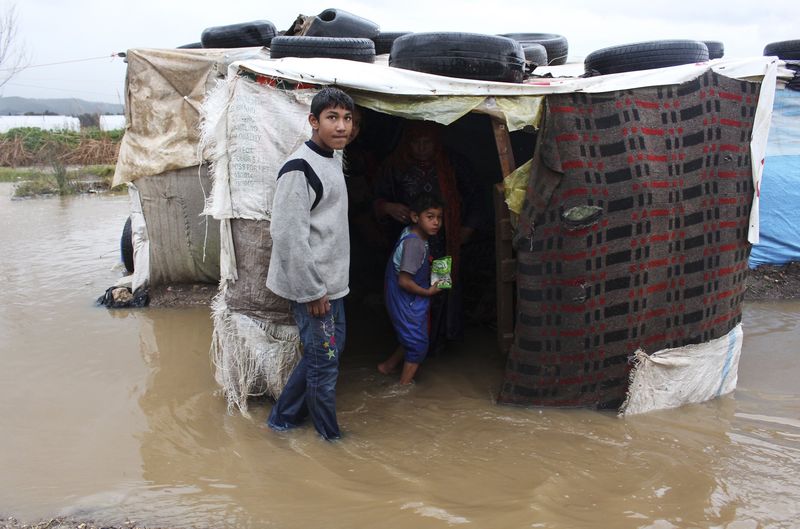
<point x="112" y="418"/>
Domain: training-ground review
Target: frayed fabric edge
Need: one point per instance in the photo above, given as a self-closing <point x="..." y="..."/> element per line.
<point x="252" y="357"/>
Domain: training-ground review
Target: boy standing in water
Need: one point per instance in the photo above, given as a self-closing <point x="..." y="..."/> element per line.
<point x="408" y="287"/>
<point x="310" y="263"/>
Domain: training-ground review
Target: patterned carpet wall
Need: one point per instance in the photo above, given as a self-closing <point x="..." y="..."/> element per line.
<point x="633" y="235"/>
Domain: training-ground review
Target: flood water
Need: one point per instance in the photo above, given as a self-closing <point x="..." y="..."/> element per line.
<point x="115" y="415"/>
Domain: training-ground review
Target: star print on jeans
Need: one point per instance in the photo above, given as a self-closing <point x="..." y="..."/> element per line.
<point x="330" y="344"/>
<point x="330" y="347"/>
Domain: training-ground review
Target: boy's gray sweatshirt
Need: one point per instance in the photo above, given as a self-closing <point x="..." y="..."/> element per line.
<point x="310" y="235"/>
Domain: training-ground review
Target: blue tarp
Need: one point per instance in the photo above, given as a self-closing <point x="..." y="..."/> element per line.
<point x="779" y="229"/>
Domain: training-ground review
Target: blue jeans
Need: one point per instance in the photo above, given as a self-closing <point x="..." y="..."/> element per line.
<point x="311" y="389"/>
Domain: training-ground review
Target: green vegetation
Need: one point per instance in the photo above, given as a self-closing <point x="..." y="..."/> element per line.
<point x="60" y="174"/>
<point x="101" y="171"/>
<point x="60" y="180"/>
<point x="14" y="174"/>
<point x="31" y="188"/>
<point x="58" y="162"/>
<point x="34" y="138"/>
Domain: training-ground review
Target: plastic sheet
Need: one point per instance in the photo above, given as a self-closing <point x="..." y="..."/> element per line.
<point x="673" y="377"/>
<point x="141" y="241"/>
<point x="779" y="231"/>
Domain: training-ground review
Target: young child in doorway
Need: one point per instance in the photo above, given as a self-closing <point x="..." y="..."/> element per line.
<point x="408" y="287"/>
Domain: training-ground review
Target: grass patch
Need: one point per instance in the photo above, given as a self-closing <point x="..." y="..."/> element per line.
<point x="100" y="171"/>
<point x="40" y="186"/>
<point x="13" y="174"/>
<point x="56" y="179"/>
<point x="60" y="173"/>
<point x="103" y="174"/>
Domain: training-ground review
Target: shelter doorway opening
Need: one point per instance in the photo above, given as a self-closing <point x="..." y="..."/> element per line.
<point x="381" y="169"/>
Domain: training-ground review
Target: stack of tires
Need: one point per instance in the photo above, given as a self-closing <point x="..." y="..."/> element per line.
<point x="334" y="33"/>
<point x="555" y="47"/>
<point x="337" y="34"/>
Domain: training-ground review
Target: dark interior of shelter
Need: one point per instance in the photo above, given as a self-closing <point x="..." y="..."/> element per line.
<point x="469" y="144"/>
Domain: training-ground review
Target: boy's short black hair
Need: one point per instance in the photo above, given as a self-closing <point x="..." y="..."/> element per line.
<point x="330" y="97"/>
<point x="425" y="201"/>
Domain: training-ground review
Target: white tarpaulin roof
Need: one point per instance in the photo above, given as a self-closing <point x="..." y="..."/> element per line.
<point x="386" y="80"/>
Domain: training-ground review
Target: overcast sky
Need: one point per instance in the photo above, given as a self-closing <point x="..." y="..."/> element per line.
<point x="90" y="31"/>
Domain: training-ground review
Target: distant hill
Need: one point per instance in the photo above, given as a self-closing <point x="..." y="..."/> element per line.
<point x="16" y="106"/>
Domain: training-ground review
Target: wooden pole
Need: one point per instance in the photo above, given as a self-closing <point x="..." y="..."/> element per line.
<point x="505" y="264"/>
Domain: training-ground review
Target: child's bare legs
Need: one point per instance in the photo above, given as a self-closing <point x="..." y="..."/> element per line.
<point x="409" y="370"/>
<point x="390" y="364"/>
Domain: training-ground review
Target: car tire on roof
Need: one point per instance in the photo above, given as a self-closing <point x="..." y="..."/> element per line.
<point x="385" y="39"/>
<point x="556" y="45"/>
<point x="785" y="49"/>
<point x="340" y="23"/>
<point x="464" y="55"/>
<point x="716" y="49"/>
<point x="645" y="56"/>
<point x="126" y="246"/>
<point x="535" y="54"/>
<point x="242" y="35"/>
<point x="361" y="50"/>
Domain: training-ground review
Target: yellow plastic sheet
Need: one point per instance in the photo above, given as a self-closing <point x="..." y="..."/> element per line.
<point x="515" y="186"/>
<point x="517" y="111"/>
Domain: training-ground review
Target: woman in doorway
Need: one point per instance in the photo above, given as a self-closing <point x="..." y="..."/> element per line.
<point x="421" y="163"/>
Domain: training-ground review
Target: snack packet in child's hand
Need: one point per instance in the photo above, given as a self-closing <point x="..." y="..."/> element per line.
<point x="440" y="271"/>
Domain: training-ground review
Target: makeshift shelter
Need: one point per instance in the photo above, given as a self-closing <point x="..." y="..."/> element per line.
<point x="780" y="189"/>
<point x="622" y="231"/>
<point x="160" y="162"/>
<point x="632" y="237"/>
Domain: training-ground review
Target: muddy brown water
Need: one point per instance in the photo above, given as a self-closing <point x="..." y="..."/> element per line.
<point x="115" y="415"/>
